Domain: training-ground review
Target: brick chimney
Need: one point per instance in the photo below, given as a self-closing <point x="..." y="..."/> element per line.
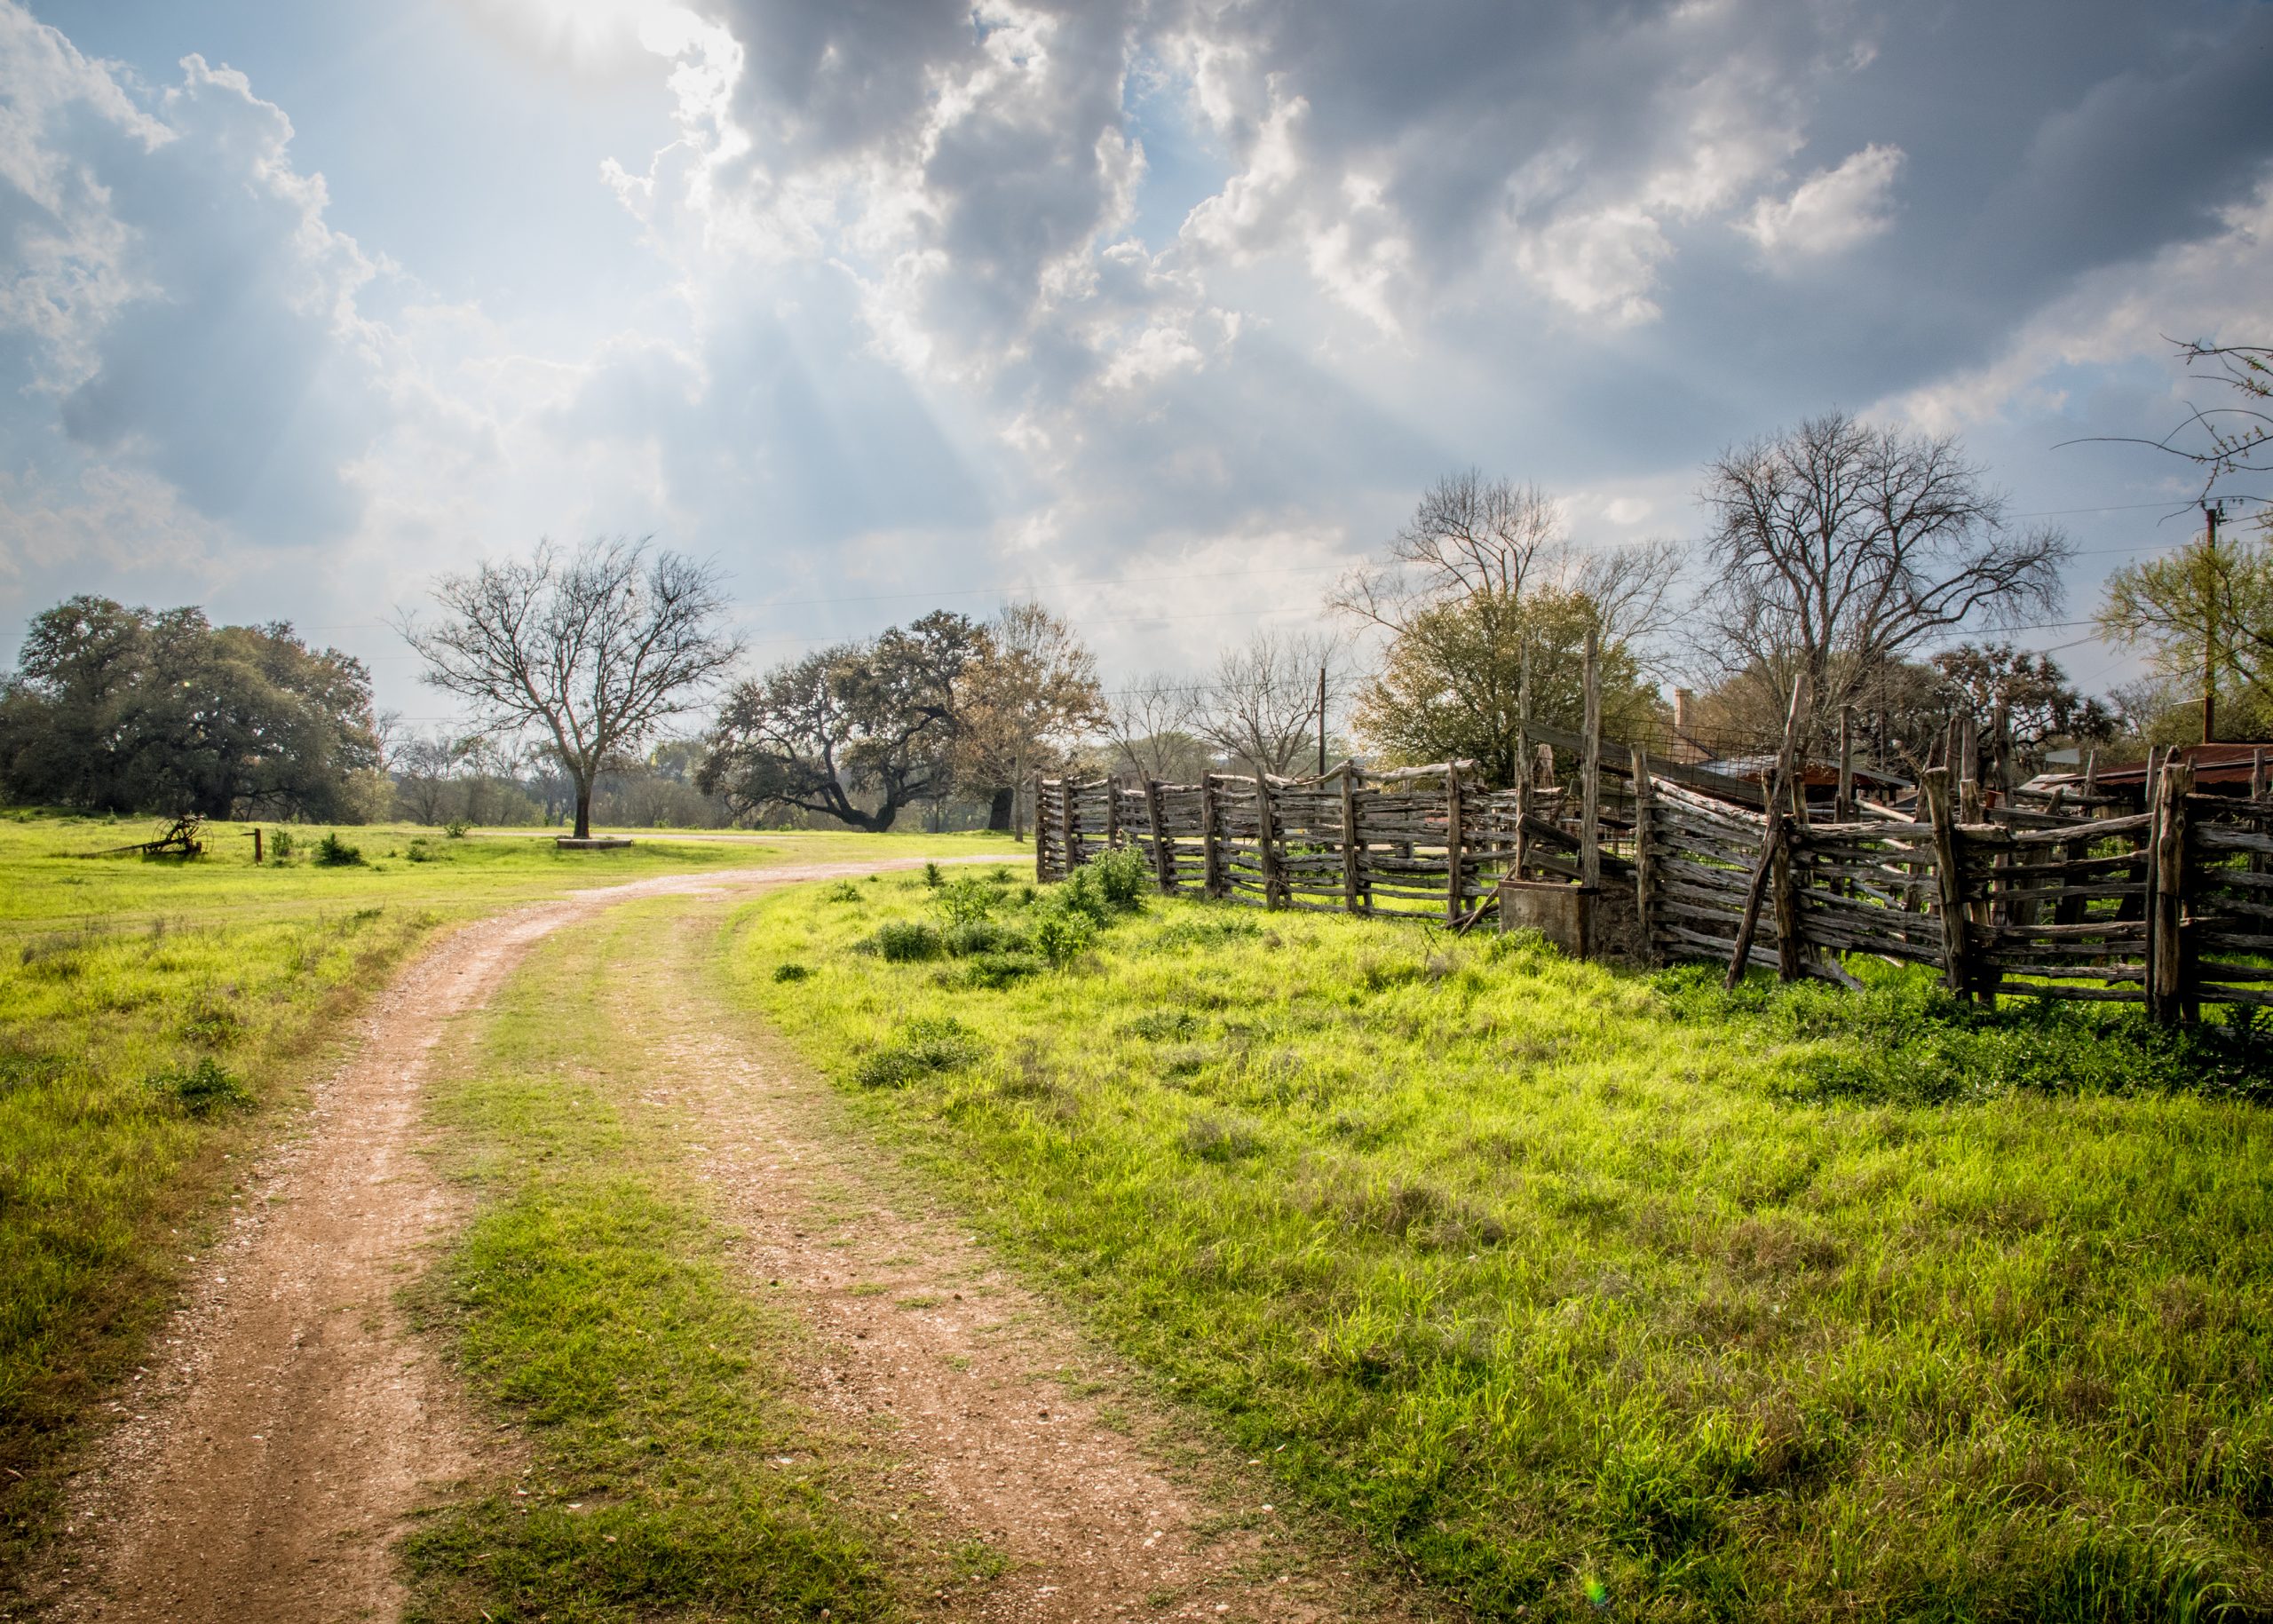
<point x="1681" y="699"/>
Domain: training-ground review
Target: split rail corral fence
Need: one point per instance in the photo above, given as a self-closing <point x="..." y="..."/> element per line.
<point x="2171" y="907"/>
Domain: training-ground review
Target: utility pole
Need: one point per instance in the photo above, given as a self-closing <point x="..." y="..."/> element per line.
<point x="2212" y="512"/>
<point x="1321" y="721"/>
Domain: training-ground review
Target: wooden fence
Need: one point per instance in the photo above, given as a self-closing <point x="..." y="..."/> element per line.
<point x="2171" y="909"/>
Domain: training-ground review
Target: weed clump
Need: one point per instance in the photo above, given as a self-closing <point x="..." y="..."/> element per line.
<point x="843" y="891"/>
<point x="924" y="1047"/>
<point x="202" y="1088"/>
<point x="333" y="852"/>
<point x="1200" y="931"/>
<point x="1163" y="1025"/>
<point x="790" y="972"/>
<point x="934" y="877"/>
<point x="1219" y="1139"/>
<point x="455" y="828"/>
<point x="993" y="972"/>
<point x="906" y="941"/>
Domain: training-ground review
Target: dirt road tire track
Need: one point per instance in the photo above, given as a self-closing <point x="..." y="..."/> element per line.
<point x="1019" y="1428"/>
<point x="292" y="1422"/>
<point x="288" y="1422"/>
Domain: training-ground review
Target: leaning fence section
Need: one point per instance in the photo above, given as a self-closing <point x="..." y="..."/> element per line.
<point x="2171" y="907"/>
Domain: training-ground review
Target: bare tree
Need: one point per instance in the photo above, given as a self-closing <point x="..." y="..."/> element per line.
<point x="425" y="769"/>
<point x="1837" y="547"/>
<point x="1472" y="538"/>
<point x="2223" y="440"/>
<point x="1151" y="725"/>
<point x="592" y="652"/>
<point x="1261" y="708"/>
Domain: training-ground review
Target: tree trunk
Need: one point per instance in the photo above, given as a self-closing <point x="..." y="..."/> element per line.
<point x="998" y="810"/>
<point x="583" y="809"/>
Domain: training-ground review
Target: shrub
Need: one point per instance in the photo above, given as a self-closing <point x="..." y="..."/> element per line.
<point x="419" y="851"/>
<point x="279" y="844"/>
<point x="934" y="875"/>
<point x="904" y="942"/>
<point x="333" y="852"/>
<point x="790" y="972"/>
<point x="922" y="1048"/>
<point x="455" y="828"/>
<point x="965" y="901"/>
<point x="843" y="891"/>
<point x="1083" y="892"/>
<point x="1063" y="934"/>
<point x="974" y="937"/>
<point x="202" y="1088"/>
<point x="1123" y="875"/>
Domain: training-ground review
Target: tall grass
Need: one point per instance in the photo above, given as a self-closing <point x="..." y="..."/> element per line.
<point x="1596" y="1290"/>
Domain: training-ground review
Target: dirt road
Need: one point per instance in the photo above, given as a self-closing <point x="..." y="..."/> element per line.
<point x="292" y="1422"/>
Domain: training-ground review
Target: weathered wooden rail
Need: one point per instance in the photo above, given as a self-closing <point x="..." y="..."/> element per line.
<point x="2171" y="908"/>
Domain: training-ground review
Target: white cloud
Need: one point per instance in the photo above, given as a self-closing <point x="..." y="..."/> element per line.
<point x="1601" y="264"/>
<point x="1831" y="210"/>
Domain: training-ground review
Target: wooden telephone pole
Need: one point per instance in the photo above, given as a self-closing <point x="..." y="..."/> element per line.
<point x="2212" y="512"/>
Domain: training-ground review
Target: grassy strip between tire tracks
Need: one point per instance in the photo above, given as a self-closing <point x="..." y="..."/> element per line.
<point x="593" y="1301"/>
<point x="154" y="1017"/>
<point x="1589" y="1289"/>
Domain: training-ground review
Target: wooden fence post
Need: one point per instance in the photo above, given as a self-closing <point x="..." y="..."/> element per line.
<point x="2167" y="902"/>
<point x="1644" y="858"/>
<point x="1163" y="858"/>
<point x="1948" y="880"/>
<point x="1111" y="814"/>
<point x="1790" y="949"/>
<point x="1590" y="768"/>
<point x="1041" y="844"/>
<point x="1352" y="848"/>
<point x="1266" y="839"/>
<point x="1771" y="836"/>
<point x="1522" y="714"/>
<point x="1454" y="889"/>
<point x="1845" y="809"/>
<point x="1211" y="848"/>
<point x="1066" y="826"/>
<point x="1522" y="817"/>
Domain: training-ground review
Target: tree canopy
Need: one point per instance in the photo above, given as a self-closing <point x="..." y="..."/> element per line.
<point x="134" y="709"/>
<point x="1451" y="687"/>
<point x="2204" y="605"/>
<point x="1024" y="705"/>
<point x="874" y="722"/>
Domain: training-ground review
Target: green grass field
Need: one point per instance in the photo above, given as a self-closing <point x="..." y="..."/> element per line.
<point x="1592" y="1290"/>
<point x="153" y="1016"/>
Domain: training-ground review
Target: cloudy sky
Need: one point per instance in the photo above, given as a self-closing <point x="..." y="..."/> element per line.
<point x="1163" y="311"/>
